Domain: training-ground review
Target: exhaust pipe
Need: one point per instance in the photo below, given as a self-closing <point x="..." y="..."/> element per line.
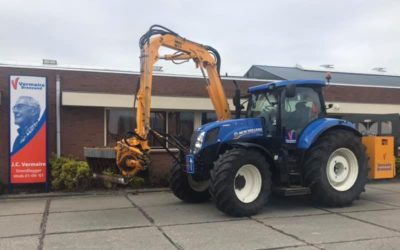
<point x="112" y="179"/>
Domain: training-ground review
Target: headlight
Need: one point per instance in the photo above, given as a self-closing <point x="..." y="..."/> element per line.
<point x="199" y="142"/>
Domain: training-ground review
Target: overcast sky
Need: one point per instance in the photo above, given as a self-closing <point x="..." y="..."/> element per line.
<point x="352" y="35"/>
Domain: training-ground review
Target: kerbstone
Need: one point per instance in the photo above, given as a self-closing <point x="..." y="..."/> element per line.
<point x="89" y="203"/>
<point x="245" y="234"/>
<point x="20" y="225"/>
<point x="92" y="220"/>
<point x="328" y="228"/>
<point x="31" y="242"/>
<point x="134" y="238"/>
<point x="14" y="207"/>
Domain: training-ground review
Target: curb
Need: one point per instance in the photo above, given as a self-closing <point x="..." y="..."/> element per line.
<point x="88" y="193"/>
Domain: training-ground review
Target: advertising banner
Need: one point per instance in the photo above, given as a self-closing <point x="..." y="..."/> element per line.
<point x="28" y="131"/>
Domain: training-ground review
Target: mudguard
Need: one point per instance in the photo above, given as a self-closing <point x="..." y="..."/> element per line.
<point x="252" y="145"/>
<point x="311" y="133"/>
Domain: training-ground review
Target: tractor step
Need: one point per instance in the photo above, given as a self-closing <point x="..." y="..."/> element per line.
<point x="292" y="191"/>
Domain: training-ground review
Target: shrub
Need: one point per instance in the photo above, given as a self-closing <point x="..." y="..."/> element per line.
<point x="69" y="174"/>
<point x="398" y="167"/>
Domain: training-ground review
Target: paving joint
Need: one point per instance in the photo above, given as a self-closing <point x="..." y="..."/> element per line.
<point x="371" y="210"/>
<point x="287" y="234"/>
<point x="204" y="222"/>
<point x="97" y="230"/>
<point x="383" y="203"/>
<point x="281" y="248"/>
<point x="289" y="216"/>
<point x="151" y="220"/>
<point x="44" y="224"/>
<point x="367" y="222"/>
<point x="89" y="210"/>
<point x="19" y="236"/>
<point x="359" y="240"/>
<point x="10" y="215"/>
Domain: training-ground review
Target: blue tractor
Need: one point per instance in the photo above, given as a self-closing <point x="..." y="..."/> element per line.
<point x="286" y="144"/>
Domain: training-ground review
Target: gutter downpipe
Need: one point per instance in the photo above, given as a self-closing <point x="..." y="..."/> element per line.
<point x="58" y="120"/>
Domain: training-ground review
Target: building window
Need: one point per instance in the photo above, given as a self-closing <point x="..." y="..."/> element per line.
<point x="368" y="128"/>
<point x="207" y="117"/>
<point x="386" y="128"/>
<point x="158" y="123"/>
<point x="120" y="121"/>
<point x="181" y="124"/>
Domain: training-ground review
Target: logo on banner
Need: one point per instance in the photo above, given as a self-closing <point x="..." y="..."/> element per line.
<point x="14" y="83"/>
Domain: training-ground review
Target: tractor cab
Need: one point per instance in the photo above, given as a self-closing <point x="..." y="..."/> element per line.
<point x="287" y="107"/>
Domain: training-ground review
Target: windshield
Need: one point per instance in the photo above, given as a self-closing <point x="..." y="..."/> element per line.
<point x="264" y="105"/>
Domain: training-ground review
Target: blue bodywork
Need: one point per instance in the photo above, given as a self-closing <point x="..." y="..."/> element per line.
<point x="251" y="130"/>
<point x="234" y="129"/>
<point x="317" y="127"/>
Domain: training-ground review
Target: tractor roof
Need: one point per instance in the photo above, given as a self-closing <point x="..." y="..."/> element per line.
<point x="271" y="85"/>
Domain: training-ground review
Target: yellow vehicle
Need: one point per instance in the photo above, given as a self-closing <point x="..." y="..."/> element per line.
<point x="380" y="151"/>
<point x="132" y="153"/>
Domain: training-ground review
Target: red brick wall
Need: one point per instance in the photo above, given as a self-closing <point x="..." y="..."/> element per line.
<point x="4" y="128"/>
<point x="81" y="127"/>
<point x="362" y="95"/>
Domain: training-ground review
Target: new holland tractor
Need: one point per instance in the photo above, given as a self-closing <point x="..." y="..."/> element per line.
<point x="285" y="143"/>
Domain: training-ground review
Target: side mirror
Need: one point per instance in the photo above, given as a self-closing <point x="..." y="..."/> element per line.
<point x="236" y="98"/>
<point x="290" y="90"/>
<point x="236" y="101"/>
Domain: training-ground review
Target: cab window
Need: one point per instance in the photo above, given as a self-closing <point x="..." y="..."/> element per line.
<point x="300" y="110"/>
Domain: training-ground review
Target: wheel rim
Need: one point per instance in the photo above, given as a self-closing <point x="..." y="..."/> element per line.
<point x="198" y="186"/>
<point x="342" y="169"/>
<point x="247" y="183"/>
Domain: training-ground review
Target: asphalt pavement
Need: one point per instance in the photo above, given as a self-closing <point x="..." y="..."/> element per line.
<point x="158" y="220"/>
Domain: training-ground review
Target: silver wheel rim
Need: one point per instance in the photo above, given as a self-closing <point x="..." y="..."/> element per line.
<point x="198" y="186"/>
<point x="342" y="169"/>
<point x="247" y="183"/>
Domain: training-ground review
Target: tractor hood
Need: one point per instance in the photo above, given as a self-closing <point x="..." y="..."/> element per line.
<point x="224" y="131"/>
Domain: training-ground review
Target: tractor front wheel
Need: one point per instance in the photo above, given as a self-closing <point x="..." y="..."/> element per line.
<point x="186" y="188"/>
<point x="240" y="182"/>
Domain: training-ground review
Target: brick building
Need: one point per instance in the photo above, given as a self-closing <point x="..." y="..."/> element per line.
<point x="96" y="105"/>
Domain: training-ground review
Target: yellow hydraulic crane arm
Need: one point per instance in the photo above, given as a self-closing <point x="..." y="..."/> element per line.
<point x="132" y="153"/>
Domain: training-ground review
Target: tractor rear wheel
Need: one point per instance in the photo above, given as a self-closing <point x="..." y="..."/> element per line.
<point x="186" y="188"/>
<point x="240" y="182"/>
<point x="336" y="168"/>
